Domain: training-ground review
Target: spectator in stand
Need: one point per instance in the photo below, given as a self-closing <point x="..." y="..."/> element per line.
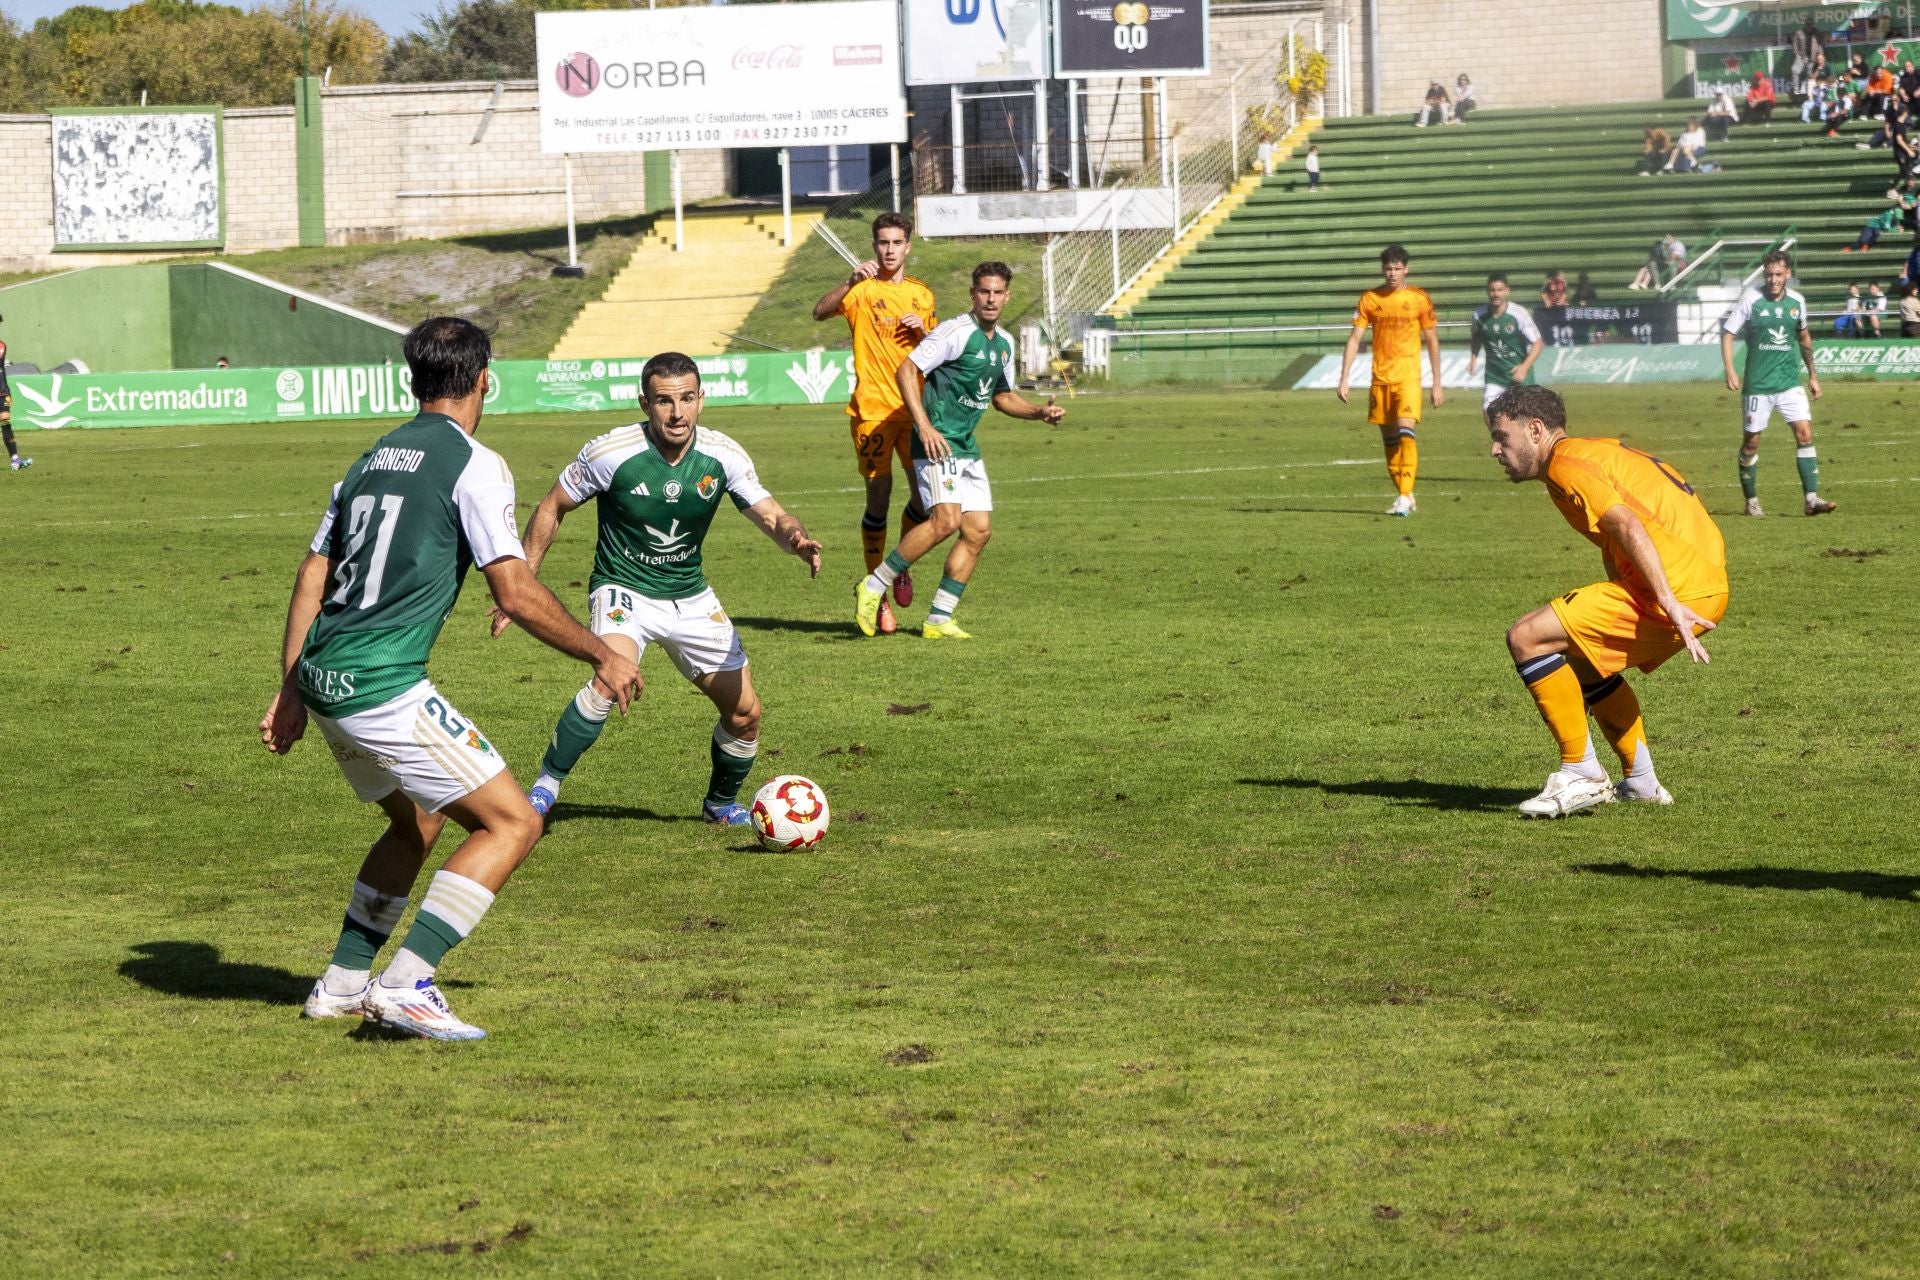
<point x="1655" y="149"/>
<point x="1759" y="100"/>
<point x="1722" y="115"/>
<point x="1857" y="67"/>
<point x="1872" y="308"/>
<point x="1464" y="103"/>
<point x="1820" y="70"/>
<point x="1313" y="167"/>
<point x="1689" y="150"/>
<point x="1880" y="86"/>
<point x="1847" y="323"/>
<point x="1839" y="107"/>
<point x="1909" y="80"/>
<point x="1667" y="259"/>
<point x="1553" y="293"/>
<point x="1806" y="45"/>
<point x="1437" y="106"/>
<point x="1900" y="137"/>
<point x="1584" y="294"/>
<point x="1819" y="97"/>
<point x="1879" y="224"/>
<point x="1910" y="310"/>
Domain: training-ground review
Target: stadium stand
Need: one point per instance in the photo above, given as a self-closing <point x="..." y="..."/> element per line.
<point x="1520" y="191"/>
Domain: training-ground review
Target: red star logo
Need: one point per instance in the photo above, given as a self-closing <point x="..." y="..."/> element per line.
<point x="1890" y="54"/>
<point x="1731" y="62"/>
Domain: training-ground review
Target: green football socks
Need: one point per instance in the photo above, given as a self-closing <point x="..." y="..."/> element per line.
<point x="1750" y="475"/>
<point x="732" y="762"/>
<point x="945" y="601"/>
<point x="578" y="728"/>
<point x="1807" y="458"/>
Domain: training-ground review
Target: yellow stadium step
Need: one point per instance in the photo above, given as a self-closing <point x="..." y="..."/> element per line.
<point x="691" y="300"/>
<point x="1204" y="227"/>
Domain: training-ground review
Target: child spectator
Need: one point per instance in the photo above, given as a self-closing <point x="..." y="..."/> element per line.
<point x="1847" y="323"/>
<point x="1313" y="167"/>
<point x="1872" y="307"/>
<point x="1819" y="96"/>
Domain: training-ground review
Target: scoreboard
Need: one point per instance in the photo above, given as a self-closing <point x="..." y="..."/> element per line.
<point x="1647" y="323"/>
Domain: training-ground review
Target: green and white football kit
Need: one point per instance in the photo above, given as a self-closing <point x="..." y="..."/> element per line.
<point x="964" y="370"/>
<point x="1770" y="383"/>
<point x="1505" y="340"/>
<point x="414" y="513"/>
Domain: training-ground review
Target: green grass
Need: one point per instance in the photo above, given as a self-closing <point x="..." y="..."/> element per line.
<point x="503" y="280"/>
<point x="783" y="318"/>
<point x="1197" y="882"/>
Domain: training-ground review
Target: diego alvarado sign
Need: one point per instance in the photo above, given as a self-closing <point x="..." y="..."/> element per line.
<point x="755" y="76"/>
<point x="1130" y="38"/>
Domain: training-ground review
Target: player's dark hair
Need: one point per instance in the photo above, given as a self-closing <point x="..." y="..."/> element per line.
<point x="668" y="364"/>
<point x="993" y="268"/>
<point x="1780" y="256"/>
<point x="899" y="221"/>
<point x="1497" y="277"/>
<point x="447" y="356"/>
<point x="1394" y="253"/>
<point x="1524" y="402"/>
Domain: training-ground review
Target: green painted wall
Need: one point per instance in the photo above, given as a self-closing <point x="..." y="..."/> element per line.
<point x="216" y="313"/>
<point x="114" y="318"/>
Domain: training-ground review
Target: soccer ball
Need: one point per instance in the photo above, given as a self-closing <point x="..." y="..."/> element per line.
<point x="790" y="813"/>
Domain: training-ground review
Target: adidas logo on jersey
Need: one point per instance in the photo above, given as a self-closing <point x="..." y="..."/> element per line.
<point x="641" y="491"/>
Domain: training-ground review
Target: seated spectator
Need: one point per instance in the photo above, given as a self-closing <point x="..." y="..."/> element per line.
<point x="1437" y="106"/>
<point x="1689" y="149"/>
<point x="1879" y="224"/>
<point x="1759" y="100"/>
<point x="1857" y="66"/>
<point x="1840" y="108"/>
<point x="1655" y="149"/>
<point x="1721" y="116"/>
<point x="1464" y="103"/>
<point x="1553" y="293"/>
<point x="1819" y="96"/>
<point x="1899" y="129"/>
<point x="1872" y="307"/>
<point x="1879" y="90"/>
<point x="1667" y="259"/>
<point x="1676" y="253"/>
<point x="1847" y="323"/>
<point x="1910" y="310"/>
<point x="1909" y="79"/>
<point x="1584" y="294"/>
<point x="1819" y="70"/>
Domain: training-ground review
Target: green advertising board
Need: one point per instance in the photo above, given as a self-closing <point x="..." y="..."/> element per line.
<point x="1889" y="360"/>
<point x="1725" y="19"/>
<point x="1627" y="362"/>
<point x="55" y="401"/>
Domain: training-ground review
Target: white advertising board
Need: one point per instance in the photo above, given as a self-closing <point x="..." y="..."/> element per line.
<point x="973" y="41"/>
<point x="755" y="76"/>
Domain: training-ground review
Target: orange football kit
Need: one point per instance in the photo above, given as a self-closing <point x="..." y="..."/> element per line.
<point x="873" y="309"/>
<point x="1399" y="319"/>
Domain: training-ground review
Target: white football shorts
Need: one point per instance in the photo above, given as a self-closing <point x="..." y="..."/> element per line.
<point x="953" y="481"/>
<point x="416" y="743"/>
<point x="1791" y="405"/>
<point x="1488" y="396"/>
<point x="695" y="632"/>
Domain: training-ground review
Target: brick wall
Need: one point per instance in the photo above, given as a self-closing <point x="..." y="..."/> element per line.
<point x="262" y="185"/>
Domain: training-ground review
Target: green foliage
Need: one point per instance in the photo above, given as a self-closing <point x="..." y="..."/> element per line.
<point x="1187" y="931"/>
<point x="180" y="52"/>
<point x="479" y="40"/>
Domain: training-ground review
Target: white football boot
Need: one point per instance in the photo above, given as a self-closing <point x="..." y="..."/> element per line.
<point x="322" y="1003"/>
<point x="1402" y="506"/>
<point x="1627" y="792"/>
<point x="418" y="1010"/>
<point x="1567" y="792"/>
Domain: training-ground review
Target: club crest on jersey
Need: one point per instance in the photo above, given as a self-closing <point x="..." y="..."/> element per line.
<point x="479" y="743"/>
<point x="672" y="491"/>
<point x="616" y="616"/>
<point x="706" y="486"/>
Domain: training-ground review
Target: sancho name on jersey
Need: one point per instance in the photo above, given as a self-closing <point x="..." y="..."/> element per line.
<point x="964" y="369"/>
<point x="653" y="517"/>
<point x="414" y="513"/>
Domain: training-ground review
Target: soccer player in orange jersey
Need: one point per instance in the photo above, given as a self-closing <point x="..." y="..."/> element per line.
<point x="889" y="312"/>
<point x="1401" y="316"/>
<point x="1666" y="585"/>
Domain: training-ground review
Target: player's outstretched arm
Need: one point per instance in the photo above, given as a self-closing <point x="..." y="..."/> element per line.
<point x="1015" y="405"/>
<point x="541" y="530"/>
<point x="286" y="720"/>
<point x="1347" y="358"/>
<point x="1726" y="361"/>
<point x="1433" y="358"/>
<point x="829" y="305"/>
<point x="787" y="532"/>
<point x="524" y="599"/>
<point x="1624" y="530"/>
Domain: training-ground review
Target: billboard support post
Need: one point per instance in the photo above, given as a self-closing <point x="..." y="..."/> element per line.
<point x="1173" y="237"/>
<point x="679" y="219"/>
<point x="1042" y="161"/>
<point x="893" y="172"/>
<point x="1073" y="134"/>
<point x="955" y="108"/>
<point x="573" y="269"/>
<point x="786" y="198"/>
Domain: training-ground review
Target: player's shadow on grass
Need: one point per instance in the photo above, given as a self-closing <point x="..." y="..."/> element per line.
<point x="196" y="971"/>
<point x="566" y="811"/>
<point x="806" y="625"/>
<point x="1868" y="884"/>
<point x="1431" y="795"/>
<point x="1307" y="511"/>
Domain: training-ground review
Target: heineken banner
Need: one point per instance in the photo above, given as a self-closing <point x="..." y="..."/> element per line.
<point x="1630" y="362"/>
<point x="51" y="401"/>
<point x="1718" y="19"/>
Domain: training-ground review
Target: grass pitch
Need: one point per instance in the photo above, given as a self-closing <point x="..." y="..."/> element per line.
<point x="1178" y="924"/>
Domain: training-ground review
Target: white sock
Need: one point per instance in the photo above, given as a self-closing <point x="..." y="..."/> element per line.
<point x="337" y="981"/>
<point x="944" y="603"/>
<point x="548" y="781"/>
<point x="882" y="578"/>
<point x="455" y="902"/>
<point x="1589" y="766"/>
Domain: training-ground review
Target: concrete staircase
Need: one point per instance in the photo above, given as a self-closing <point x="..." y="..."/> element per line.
<point x="1234" y="197"/>
<point x="689" y="301"/>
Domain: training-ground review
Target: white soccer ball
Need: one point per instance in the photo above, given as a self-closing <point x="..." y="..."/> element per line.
<point x="790" y="813"/>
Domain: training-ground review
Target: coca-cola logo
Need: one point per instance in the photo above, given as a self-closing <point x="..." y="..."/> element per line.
<point x="779" y="57"/>
<point x="578" y="75"/>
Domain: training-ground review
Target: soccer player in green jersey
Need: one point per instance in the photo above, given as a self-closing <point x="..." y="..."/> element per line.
<point x="947" y="383"/>
<point x="657" y="486"/>
<point x="1773" y="321"/>
<point x="1505" y="331"/>
<point x="413" y="513"/>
